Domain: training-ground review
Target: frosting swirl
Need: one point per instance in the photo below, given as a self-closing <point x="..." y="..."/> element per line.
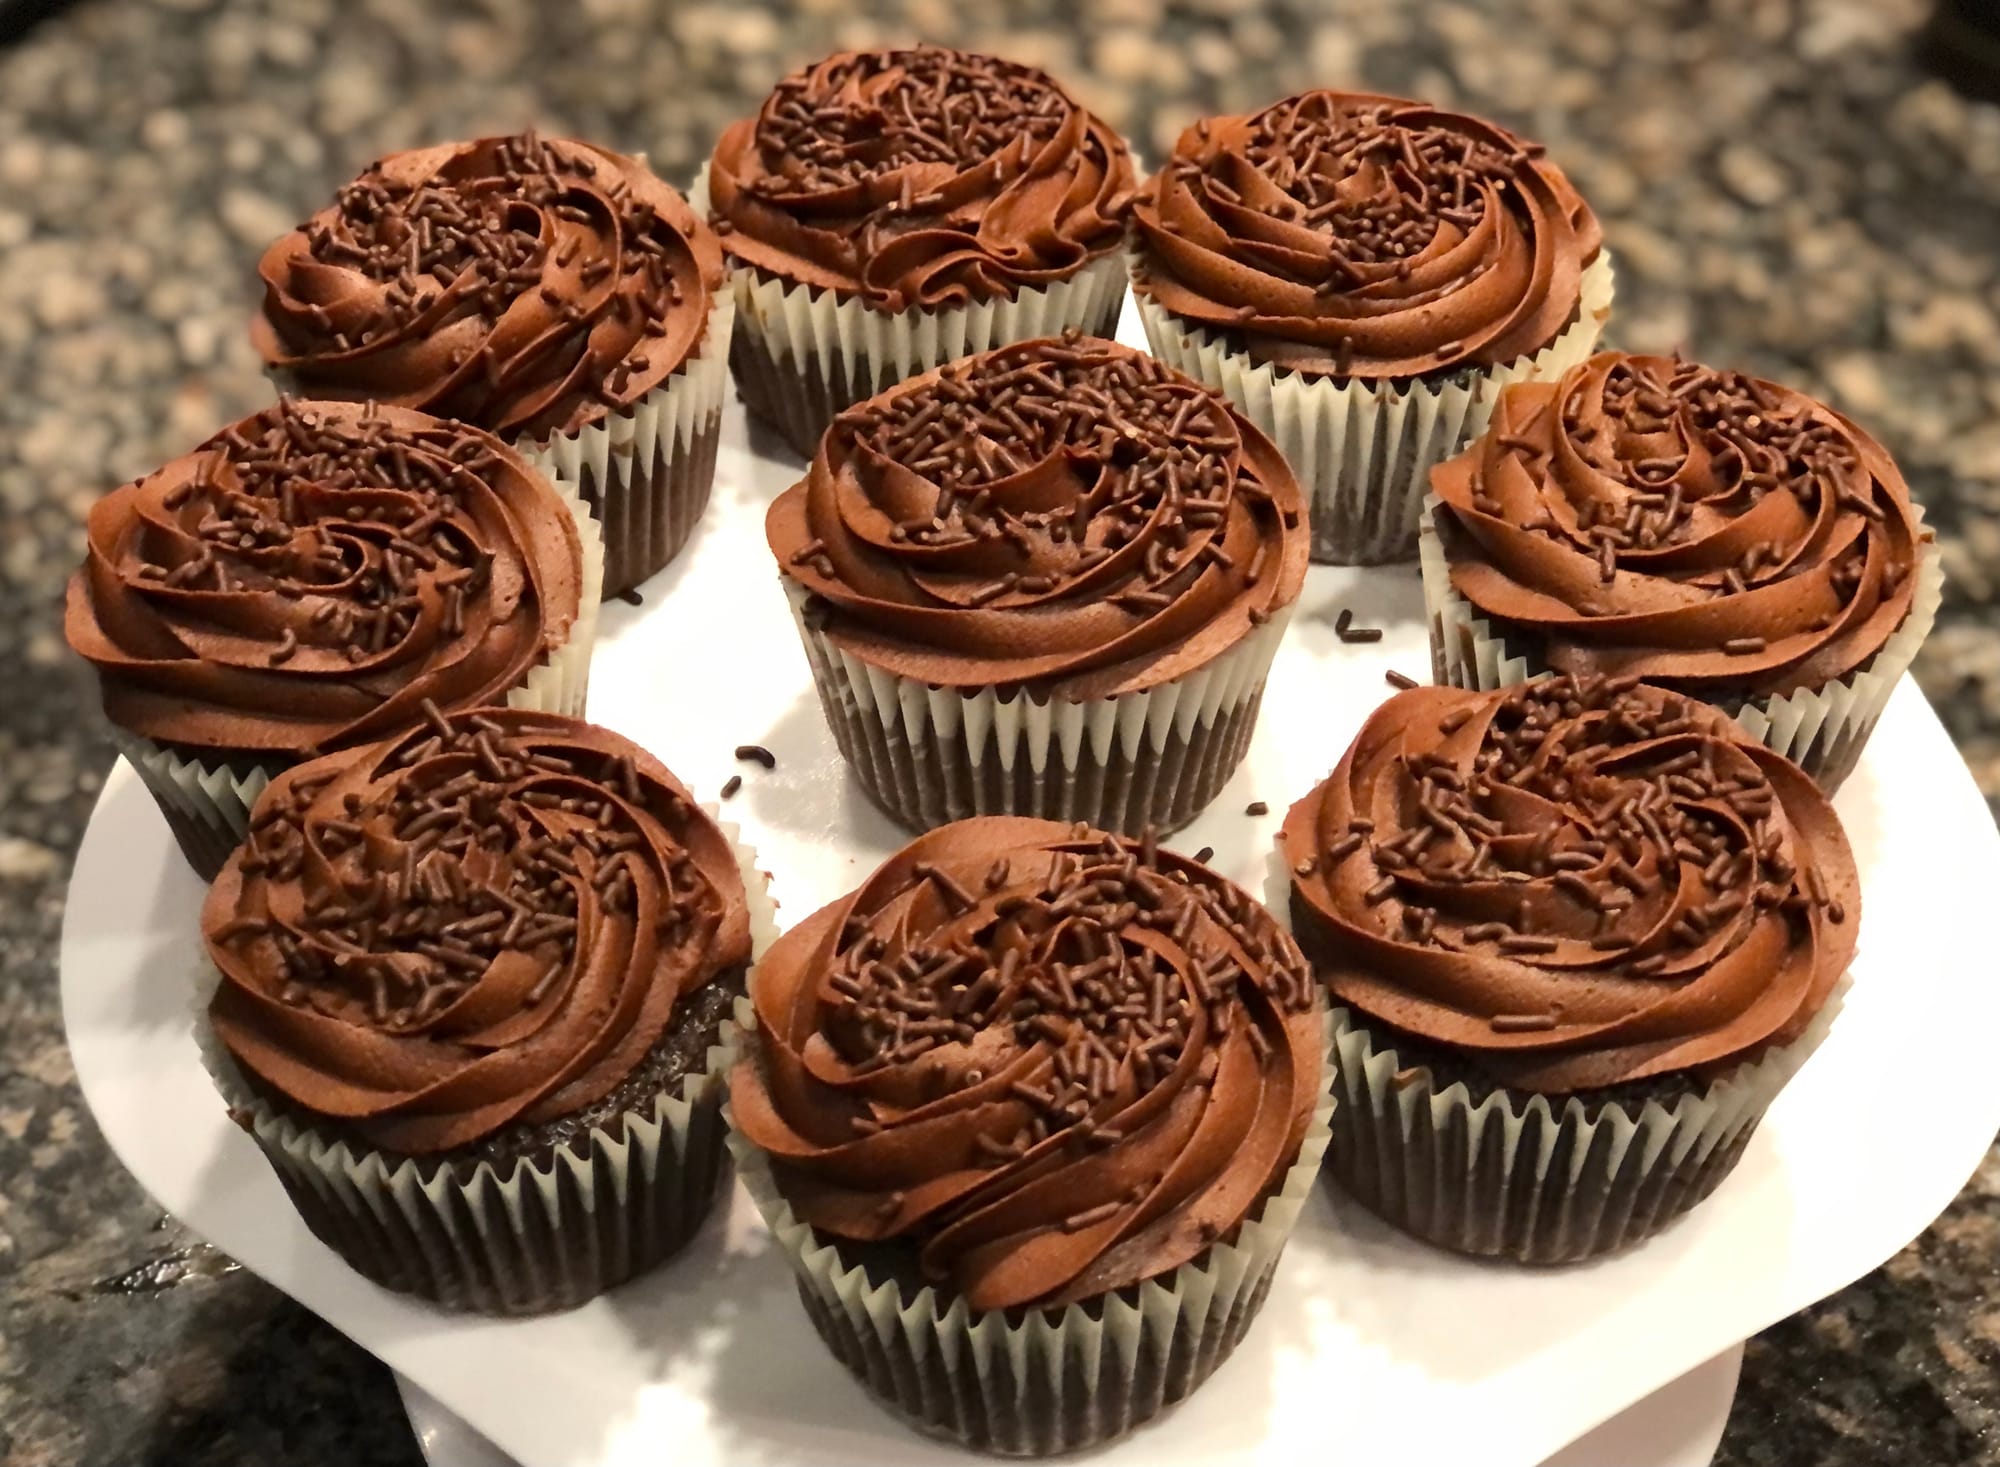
<point x="1351" y="235"/>
<point x="1051" y="1061"/>
<point x="488" y="922"/>
<point x="1694" y="526"/>
<point x="530" y="287"/>
<point x="1060" y="509"/>
<point x="1575" y="884"/>
<point x="307" y="578"/>
<point x="919" y="179"/>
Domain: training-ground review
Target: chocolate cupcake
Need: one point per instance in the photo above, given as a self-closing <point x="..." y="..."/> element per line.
<point x="1032" y="1113"/>
<point x="474" y="991"/>
<point x="310" y="577"/>
<point x="553" y="293"/>
<point x="886" y="211"/>
<point x="1048" y="580"/>
<point x="1578" y="935"/>
<point x="1711" y="533"/>
<point x="1362" y="275"/>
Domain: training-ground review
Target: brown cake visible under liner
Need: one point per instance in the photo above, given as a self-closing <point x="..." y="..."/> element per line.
<point x="1018" y="1415"/>
<point x="590" y="1243"/>
<point x="649" y="512"/>
<point x="1430" y="1183"/>
<point x="927" y="785"/>
<point x="203" y="838"/>
<point x="798" y="399"/>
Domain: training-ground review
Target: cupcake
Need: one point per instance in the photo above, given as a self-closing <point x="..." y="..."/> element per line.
<point x="1717" y="535"/>
<point x="886" y="211"/>
<point x="1048" y="580"/>
<point x="1362" y="275"/>
<point x="553" y="293"/>
<point x="473" y="999"/>
<point x="1031" y="1114"/>
<point x="1578" y="935"/>
<point x="308" y="579"/>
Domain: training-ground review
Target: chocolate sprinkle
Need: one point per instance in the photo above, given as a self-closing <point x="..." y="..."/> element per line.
<point x="1521" y="1023"/>
<point x="1344" y="629"/>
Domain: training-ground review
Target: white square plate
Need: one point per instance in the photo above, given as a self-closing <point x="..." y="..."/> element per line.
<point x="1372" y="1346"/>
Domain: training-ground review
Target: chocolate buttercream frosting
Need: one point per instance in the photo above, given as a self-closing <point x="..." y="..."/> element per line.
<point x="1572" y="884"/>
<point x="1059" y="511"/>
<point x="489" y="922"/>
<point x="529" y="286"/>
<point x="307" y="578"/>
<point x="1048" y="1061"/>
<point x="1701" y="528"/>
<point x="1350" y="235"/>
<point x="920" y="180"/>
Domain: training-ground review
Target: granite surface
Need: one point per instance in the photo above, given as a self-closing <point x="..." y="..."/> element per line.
<point x="1784" y="186"/>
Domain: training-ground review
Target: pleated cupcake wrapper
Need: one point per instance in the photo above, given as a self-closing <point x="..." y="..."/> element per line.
<point x="1363" y="450"/>
<point x="806" y="354"/>
<point x="932" y="755"/>
<point x="647" y="470"/>
<point x="1037" y="1382"/>
<point x="513" y="1238"/>
<point x="1525" y="1176"/>
<point x="847" y="338"/>
<point x="208" y="804"/>
<point x="1823" y="729"/>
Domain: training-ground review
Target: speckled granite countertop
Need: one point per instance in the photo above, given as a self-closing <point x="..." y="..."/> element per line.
<point x="1785" y="189"/>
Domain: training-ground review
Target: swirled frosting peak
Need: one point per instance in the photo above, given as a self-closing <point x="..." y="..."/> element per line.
<point x="307" y="578"/>
<point x="1059" y="510"/>
<point x="1051" y="1061"/>
<point x="529" y="286"/>
<point x="484" y="924"/>
<point x="1572" y="884"/>
<point x="1362" y="236"/>
<point x="1698" y="527"/>
<point x="920" y="179"/>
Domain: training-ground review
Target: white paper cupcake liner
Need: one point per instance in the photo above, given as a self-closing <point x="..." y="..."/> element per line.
<point x="1823" y="730"/>
<point x="932" y="755"/>
<point x="847" y="339"/>
<point x="1363" y="451"/>
<point x="515" y="1237"/>
<point x="208" y="804"/>
<point x="804" y="354"/>
<point x="1534" y="1178"/>
<point x="647" y="470"/>
<point x="1036" y="1382"/>
<point x="1528" y="1177"/>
